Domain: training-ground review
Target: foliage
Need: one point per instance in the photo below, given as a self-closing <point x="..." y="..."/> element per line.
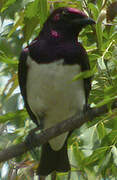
<point x="93" y="147"/>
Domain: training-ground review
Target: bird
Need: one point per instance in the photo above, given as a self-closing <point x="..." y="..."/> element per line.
<point x="46" y="70"/>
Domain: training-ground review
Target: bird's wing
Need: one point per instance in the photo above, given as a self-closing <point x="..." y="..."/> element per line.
<point x="79" y="56"/>
<point x="22" y="77"/>
<point x="84" y="61"/>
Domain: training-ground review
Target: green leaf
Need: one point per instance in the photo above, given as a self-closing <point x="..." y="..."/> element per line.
<point x="7" y="4"/>
<point x="111" y="122"/>
<point x="11" y="104"/>
<point x="94" y="10"/>
<point x="110" y="138"/>
<point x="42" y="11"/>
<point x="106" y="101"/>
<point x="94" y="57"/>
<point x="78" y="155"/>
<point x="101" y="130"/>
<point x="6" y="139"/>
<point x="114" y="152"/>
<point x="18" y="115"/>
<point x="96" y="155"/>
<point x="18" y="23"/>
<point x="85" y="74"/>
<point x="14" y="84"/>
<point x="99" y="35"/>
<point x="30" y="25"/>
<point x="104" y="161"/>
<point x="7" y="60"/>
<point x="99" y="3"/>
<point x="32" y="9"/>
<point x="36" y="12"/>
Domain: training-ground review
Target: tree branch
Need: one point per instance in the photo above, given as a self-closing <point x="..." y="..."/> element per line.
<point x="68" y="125"/>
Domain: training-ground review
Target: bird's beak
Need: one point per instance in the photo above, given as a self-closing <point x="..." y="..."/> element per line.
<point x="85" y="21"/>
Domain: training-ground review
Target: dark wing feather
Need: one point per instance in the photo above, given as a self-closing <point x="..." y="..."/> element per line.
<point x="79" y="56"/>
<point x="85" y="66"/>
<point x="22" y="77"/>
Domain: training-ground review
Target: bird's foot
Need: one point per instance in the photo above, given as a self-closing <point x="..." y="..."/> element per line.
<point x="31" y="141"/>
<point x="31" y="138"/>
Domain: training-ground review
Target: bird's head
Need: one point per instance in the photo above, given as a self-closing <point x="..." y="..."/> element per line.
<point x="68" y="21"/>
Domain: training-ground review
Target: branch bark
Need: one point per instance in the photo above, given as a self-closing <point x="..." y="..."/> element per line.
<point x="68" y="125"/>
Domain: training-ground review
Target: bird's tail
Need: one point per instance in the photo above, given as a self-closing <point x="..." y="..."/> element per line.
<point x="53" y="160"/>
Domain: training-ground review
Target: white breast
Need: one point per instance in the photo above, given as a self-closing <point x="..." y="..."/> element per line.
<point x="50" y="89"/>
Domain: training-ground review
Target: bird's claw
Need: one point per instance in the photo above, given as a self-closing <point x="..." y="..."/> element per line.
<point x="31" y="138"/>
